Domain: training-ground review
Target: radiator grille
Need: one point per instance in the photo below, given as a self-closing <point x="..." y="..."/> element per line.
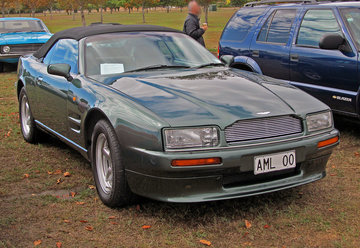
<point x="24" y="48"/>
<point x="263" y="128"/>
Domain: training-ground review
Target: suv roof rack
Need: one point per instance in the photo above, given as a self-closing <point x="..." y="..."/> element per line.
<point x="252" y="4"/>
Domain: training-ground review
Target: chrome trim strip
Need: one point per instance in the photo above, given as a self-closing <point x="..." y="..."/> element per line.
<point x="250" y="145"/>
<point x="60" y="136"/>
<point x="76" y="121"/>
<point x="75" y="131"/>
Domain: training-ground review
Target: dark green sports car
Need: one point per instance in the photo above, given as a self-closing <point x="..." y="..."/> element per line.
<point x="159" y="116"/>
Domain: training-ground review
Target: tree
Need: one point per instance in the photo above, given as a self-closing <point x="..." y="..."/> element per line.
<point x="82" y="5"/>
<point x="238" y="3"/>
<point x="147" y="4"/>
<point x="166" y="4"/>
<point x="4" y="5"/>
<point x="17" y="6"/>
<point x="180" y="3"/>
<point x="206" y="4"/>
<point x="50" y="4"/>
<point x="113" y="5"/>
<point x="33" y="5"/>
<point x="69" y="5"/>
<point x="100" y="4"/>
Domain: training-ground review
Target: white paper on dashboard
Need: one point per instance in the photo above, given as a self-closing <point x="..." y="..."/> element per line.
<point x="111" y="68"/>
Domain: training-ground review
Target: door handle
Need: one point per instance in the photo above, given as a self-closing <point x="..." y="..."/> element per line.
<point x="39" y="80"/>
<point x="255" y="53"/>
<point x="294" y="57"/>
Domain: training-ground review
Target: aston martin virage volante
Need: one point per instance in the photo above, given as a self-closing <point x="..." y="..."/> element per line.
<point x="159" y="116"/>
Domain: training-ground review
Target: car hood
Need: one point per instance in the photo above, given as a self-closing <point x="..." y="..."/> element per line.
<point x="216" y="96"/>
<point x="24" y="38"/>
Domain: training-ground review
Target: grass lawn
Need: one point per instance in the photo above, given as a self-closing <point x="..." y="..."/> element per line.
<point x="33" y="206"/>
<point x="175" y="19"/>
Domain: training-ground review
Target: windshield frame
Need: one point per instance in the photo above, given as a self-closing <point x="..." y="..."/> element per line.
<point x="342" y="12"/>
<point x="126" y="73"/>
<point x="8" y="31"/>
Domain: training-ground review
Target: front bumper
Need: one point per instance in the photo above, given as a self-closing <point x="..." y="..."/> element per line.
<point x="10" y="58"/>
<point x="154" y="177"/>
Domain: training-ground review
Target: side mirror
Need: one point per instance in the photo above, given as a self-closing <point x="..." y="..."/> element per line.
<point x="227" y="59"/>
<point x="334" y="42"/>
<point x="62" y="70"/>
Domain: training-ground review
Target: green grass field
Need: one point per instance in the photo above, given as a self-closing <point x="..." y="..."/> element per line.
<point x="175" y="19"/>
<point x="33" y="206"/>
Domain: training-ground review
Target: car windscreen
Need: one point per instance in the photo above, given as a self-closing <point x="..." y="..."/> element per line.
<point x="351" y="18"/>
<point x="118" y="53"/>
<point x="14" y="26"/>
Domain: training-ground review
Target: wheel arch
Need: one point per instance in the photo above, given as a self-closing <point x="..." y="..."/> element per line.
<point x="19" y="86"/>
<point x="92" y="117"/>
<point x="247" y="64"/>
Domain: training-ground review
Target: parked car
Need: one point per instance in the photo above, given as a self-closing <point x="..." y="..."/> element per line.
<point x="160" y="116"/>
<point x="20" y="36"/>
<point x="311" y="44"/>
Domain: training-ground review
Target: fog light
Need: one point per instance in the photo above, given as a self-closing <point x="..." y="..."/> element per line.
<point x="196" y="162"/>
<point x="6" y="49"/>
<point x="328" y="142"/>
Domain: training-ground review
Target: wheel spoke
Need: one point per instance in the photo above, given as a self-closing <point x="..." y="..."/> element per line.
<point x="106" y="153"/>
<point x="104" y="163"/>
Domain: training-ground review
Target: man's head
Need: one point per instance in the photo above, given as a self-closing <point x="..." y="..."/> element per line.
<point x="194" y="8"/>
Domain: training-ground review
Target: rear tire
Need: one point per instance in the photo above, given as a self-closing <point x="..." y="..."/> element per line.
<point x="27" y="123"/>
<point x="1" y="67"/>
<point x="107" y="166"/>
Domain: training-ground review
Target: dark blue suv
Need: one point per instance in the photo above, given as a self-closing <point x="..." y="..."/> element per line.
<point x="315" y="46"/>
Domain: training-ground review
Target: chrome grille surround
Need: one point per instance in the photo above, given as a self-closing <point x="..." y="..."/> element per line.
<point x="263" y="128"/>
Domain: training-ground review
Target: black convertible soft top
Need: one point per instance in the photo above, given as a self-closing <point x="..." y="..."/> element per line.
<point x="81" y="32"/>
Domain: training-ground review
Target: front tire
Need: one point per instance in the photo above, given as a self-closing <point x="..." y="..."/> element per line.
<point x="107" y="166"/>
<point x="27" y="123"/>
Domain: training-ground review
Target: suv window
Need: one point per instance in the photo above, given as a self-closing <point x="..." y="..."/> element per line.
<point x="315" y="24"/>
<point x="64" y="51"/>
<point x="351" y="17"/>
<point x="240" y="25"/>
<point x="277" y="27"/>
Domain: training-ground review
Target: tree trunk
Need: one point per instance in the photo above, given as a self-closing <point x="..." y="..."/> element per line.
<point x="51" y="16"/>
<point x="206" y="10"/>
<point x="33" y="12"/>
<point x="167" y="9"/>
<point x="82" y="17"/>
<point x="101" y="15"/>
<point x="143" y="11"/>
<point x="73" y="15"/>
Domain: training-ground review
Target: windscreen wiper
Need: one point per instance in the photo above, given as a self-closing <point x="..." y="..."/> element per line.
<point x="155" y="67"/>
<point x="209" y="64"/>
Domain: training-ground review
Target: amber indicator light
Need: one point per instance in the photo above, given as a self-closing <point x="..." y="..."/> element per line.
<point x="196" y="162"/>
<point x="328" y="142"/>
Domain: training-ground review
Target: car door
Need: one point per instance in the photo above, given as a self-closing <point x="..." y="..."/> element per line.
<point x="329" y="75"/>
<point x="270" y="46"/>
<point x="52" y="90"/>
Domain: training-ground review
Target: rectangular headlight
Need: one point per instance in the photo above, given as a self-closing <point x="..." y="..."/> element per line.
<point x="191" y="137"/>
<point x="319" y="121"/>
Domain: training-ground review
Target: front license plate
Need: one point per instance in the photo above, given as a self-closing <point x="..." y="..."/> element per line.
<point x="274" y="162"/>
